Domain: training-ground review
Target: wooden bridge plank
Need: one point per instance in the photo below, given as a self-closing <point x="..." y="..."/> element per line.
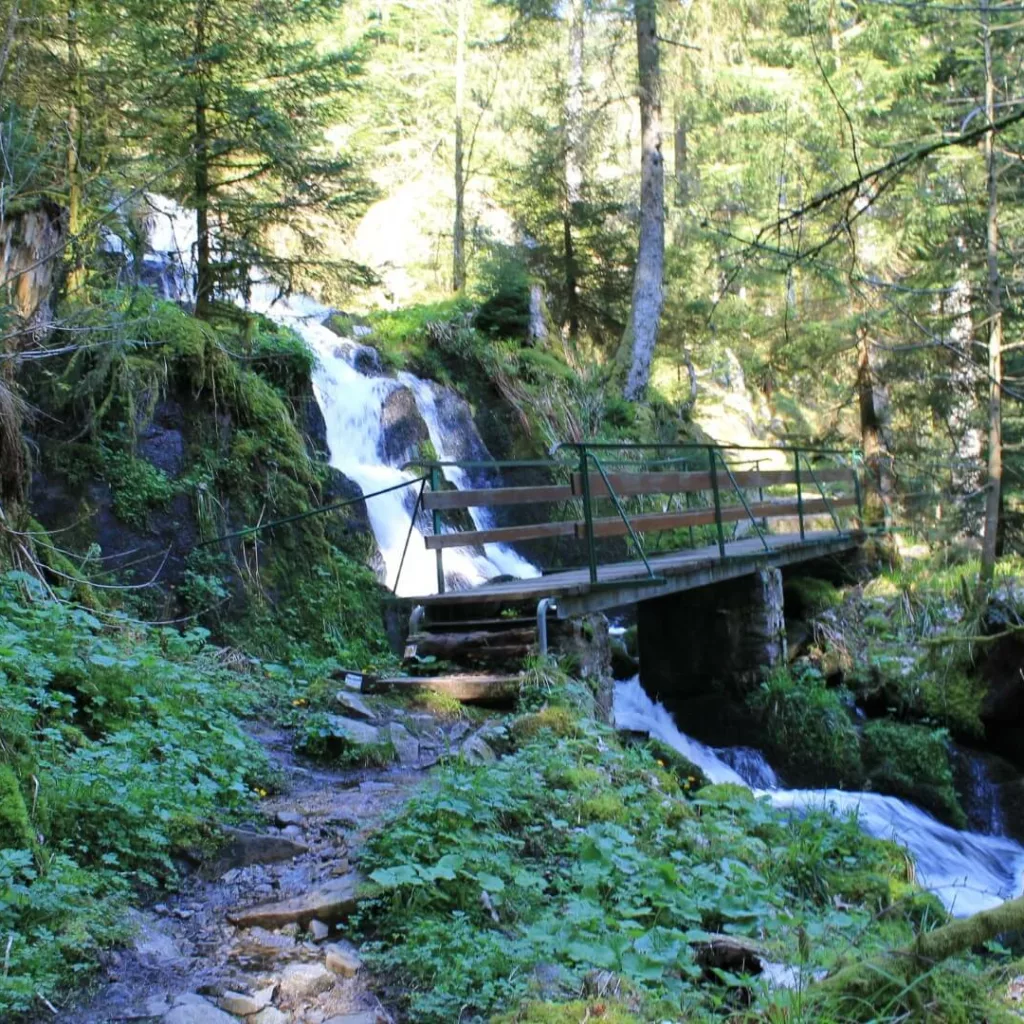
<point x="632" y="484"/>
<point x="613" y="526"/>
<point x="489" y="497"/>
<point x="500" y="535"/>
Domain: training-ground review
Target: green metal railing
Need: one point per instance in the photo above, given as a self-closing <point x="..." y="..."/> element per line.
<point x="721" y="462"/>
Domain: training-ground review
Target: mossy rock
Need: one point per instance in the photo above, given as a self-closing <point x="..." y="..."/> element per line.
<point x="16" y="832"/>
<point x="605" y="1011"/>
<point x="684" y="771"/>
<point x="559" y="720"/>
<point x="883" y="893"/>
<point x="912" y="761"/>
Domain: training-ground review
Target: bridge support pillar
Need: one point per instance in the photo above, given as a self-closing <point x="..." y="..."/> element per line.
<point x="729" y="632"/>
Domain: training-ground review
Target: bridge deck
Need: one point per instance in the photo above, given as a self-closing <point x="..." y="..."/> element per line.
<point x="624" y="583"/>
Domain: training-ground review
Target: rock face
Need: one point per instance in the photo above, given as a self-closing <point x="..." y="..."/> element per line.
<point x="333" y="901"/>
<point x="403" y="428"/>
<point x="358" y="732"/>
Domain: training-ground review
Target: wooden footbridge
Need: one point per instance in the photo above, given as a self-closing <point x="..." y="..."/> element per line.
<point x="619" y="524"/>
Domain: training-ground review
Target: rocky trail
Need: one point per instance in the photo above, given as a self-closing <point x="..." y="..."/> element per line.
<point x="257" y="933"/>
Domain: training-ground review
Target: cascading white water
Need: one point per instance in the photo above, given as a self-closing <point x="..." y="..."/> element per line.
<point x="352" y="403"/>
<point x="967" y="871"/>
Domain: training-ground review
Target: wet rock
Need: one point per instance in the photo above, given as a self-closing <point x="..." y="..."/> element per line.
<point x="624" y="665"/>
<point x="285" y="818"/>
<point x="197" y="1011"/>
<point x="355" y="706"/>
<point x="365" y="1017"/>
<point x="243" y="848"/>
<point x="476" y="750"/>
<point x="403" y="429"/>
<point x="303" y="981"/>
<point x="292" y="832"/>
<point x="406" y="745"/>
<point x="342" y="961"/>
<point x="331" y="902"/>
<point x="318" y="930"/>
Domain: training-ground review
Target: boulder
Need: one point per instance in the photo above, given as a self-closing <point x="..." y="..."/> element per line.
<point x="241" y="1004"/>
<point x="355" y="731"/>
<point x="403" y="429"/>
<point x="365" y="1017"/>
<point x="476" y="750"/>
<point x="303" y="981"/>
<point x="355" y="706"/>
<point x="242" y="848"/>
<point x="285" y="818"/>
<point x="318" y="930"/>
<point x="342" y="961"/>
<point x="332" y="901"/>
<point x="406" y="745"/>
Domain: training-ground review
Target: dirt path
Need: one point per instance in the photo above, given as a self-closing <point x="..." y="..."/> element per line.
<point x="189" y="965"/>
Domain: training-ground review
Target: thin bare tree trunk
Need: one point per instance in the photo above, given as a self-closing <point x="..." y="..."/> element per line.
<point x="989" y="545"/>
<point x="573" y="159"/>
<point x="459" y="226"/>
<point x="76" y="262"/>
<point x="641" y="332"/>
<point x="205" y="283"/>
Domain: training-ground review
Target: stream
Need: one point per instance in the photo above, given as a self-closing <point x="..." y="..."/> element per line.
<point x="966" y="870"/>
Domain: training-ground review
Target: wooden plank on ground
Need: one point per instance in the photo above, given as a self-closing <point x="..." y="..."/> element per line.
<point x="489" y="497"/>
<point x="613" y="526"/>
<point x="500" y="535"/>
<point x="470" y="688"/>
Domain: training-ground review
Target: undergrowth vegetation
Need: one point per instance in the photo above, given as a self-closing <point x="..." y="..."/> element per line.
<point x="572" y="854"/>
<point x="119" y="747"/>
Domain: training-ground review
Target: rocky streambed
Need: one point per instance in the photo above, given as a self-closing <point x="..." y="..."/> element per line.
<point x="257" y="932"/>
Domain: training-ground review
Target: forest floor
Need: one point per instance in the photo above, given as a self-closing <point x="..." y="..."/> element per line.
<point x="188" y="964"/>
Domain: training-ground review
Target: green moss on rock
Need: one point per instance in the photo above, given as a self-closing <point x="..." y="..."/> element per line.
<point x="912" y="761"/>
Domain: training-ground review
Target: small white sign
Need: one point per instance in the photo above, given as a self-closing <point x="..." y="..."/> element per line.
<point x="353" y="680"/>
<point x="410" y="652"/>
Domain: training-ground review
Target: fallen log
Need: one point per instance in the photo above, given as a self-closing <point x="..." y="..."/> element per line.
<point x="863" y="979"/>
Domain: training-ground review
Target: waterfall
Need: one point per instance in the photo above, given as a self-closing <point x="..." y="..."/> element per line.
<point x="967" y="871"/>
<point x="351" y="392"/>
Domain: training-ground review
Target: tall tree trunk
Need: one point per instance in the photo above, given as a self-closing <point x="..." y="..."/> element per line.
<point x="76" y="261"/>
<point x="205" y="274"/>
<point x="573" y="159"/>
<point x="873" y="404"/>
<point x="459" y="227"/>
<point x="989" y="544"/>
<point x="641" y="332"/>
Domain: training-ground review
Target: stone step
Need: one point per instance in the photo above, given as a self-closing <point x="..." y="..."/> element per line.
<point x="467" y="687"/>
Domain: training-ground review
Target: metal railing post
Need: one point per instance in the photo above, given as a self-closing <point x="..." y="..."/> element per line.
<point x="718" y="500"/>
<point x="799" y="491"/>
<point x="435" y="486"/>
<point x="857" y="492"/>
<point x="588" y="512"/>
